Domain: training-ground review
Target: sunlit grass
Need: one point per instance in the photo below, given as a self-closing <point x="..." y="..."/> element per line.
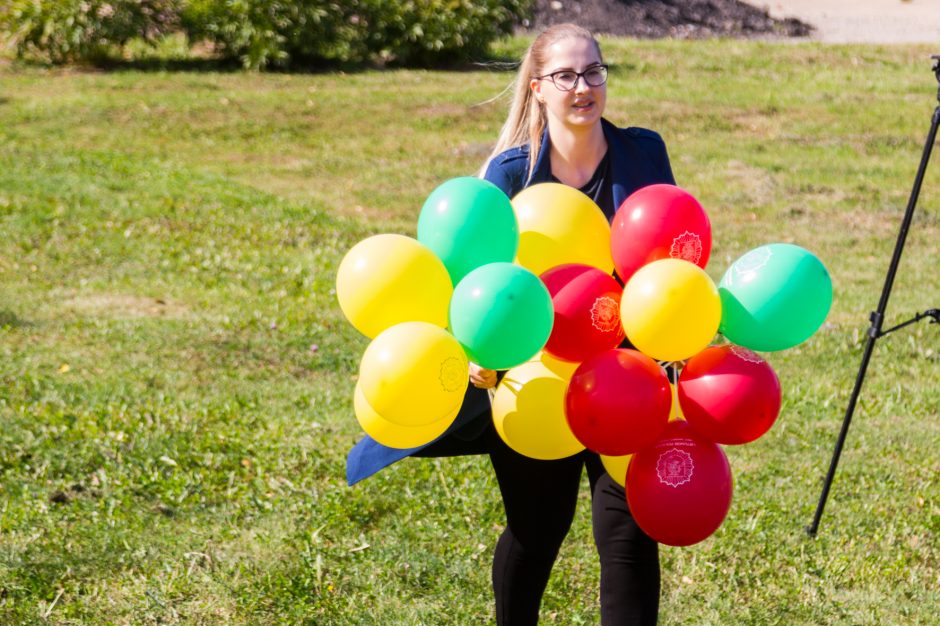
<point x="177" y="378"/>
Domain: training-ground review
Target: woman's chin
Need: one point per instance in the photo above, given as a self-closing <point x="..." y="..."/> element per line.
<point x="584" y="118"/>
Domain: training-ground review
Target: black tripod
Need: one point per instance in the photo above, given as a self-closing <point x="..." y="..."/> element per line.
<point x="877" y="317"/>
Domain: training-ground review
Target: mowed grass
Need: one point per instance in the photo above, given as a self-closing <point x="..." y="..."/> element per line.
<point x="176" y="377"/>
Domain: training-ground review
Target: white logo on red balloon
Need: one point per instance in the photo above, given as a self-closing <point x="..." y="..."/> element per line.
<point x="453" y="373"/>
<point x="605" y="314"/>
<point x="687" y="246"/>
<point x="746" y="355"/>
<point x="675" y="467"/>
<point x="745" y="267"/>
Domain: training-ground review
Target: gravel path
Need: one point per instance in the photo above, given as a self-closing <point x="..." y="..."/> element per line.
<point x="863" y="21"/>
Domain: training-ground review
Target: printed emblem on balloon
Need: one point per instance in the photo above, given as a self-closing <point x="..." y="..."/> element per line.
<point x="605" y="314"/>
<point x="453" y="373"/>
<point x="746" y="355"/>
<point x="675" y="467"/>
<point x="745" y="267"/>
<point x="687" y="246"/>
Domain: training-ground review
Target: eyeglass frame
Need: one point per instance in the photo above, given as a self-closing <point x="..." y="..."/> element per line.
<point x="578" y="77"/>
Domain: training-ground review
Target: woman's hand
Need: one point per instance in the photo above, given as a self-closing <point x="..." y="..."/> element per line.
<point x="481" y="377"/>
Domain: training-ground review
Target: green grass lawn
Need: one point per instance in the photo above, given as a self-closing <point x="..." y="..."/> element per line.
<point x="176" y="377"/>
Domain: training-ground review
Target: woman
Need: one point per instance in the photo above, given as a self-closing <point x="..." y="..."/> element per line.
<point x="555" y="132"/>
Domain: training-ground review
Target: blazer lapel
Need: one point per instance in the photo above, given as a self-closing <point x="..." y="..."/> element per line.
<point x="622" y="164"/>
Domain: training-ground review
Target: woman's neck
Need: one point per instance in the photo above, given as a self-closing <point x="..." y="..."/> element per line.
<point x="576" y="152"/>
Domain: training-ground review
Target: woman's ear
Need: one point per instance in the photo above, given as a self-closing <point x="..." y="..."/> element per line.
<point x="536" y="86"/>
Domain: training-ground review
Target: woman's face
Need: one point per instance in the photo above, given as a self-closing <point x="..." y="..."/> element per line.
<point x="583" y="105"/>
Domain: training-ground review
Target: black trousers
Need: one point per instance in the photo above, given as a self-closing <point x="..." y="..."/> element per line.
<point x="540" y="498"/>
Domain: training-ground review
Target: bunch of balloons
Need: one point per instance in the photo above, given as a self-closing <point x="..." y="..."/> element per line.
<point x="662" y="442"/>
<point x="545" y="287"/>
<point x="431" y="304"/>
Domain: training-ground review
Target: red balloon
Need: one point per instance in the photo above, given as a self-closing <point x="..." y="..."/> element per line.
<point x="659" y="222"/>
<point x="618" y="402"/>
<point x="679" y="489"/>
<point x="587" y="311"/>
<point x="729" y="394"/>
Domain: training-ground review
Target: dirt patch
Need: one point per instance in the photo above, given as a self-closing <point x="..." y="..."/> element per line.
<point x="123" y="306"/>
<point x="680" y="19"/>
<point x="755" y="186"/>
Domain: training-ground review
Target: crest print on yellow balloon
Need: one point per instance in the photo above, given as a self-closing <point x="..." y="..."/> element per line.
<point x="414" y="374"/>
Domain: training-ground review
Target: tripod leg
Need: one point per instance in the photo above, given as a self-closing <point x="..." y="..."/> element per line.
<point x="846" y="422"/>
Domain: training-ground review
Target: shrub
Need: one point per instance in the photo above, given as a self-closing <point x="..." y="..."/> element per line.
<point x="267" y="32"/>
<point x="282" y="32"/>
<point x="70" y="30"/>
<point x="276" y="32"/>
<point x="432" y="31"/>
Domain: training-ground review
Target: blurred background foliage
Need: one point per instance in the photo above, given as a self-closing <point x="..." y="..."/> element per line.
<point x="261" y="33"/>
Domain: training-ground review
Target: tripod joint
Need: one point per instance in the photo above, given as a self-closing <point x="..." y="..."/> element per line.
<point x="877" y="319"/>
<point x="936" y="70"/>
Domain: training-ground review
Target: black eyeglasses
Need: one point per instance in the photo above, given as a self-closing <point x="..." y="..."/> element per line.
<point x="566" y="80"/>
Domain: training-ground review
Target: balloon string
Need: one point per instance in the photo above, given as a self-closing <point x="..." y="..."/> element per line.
<point x="675" y="390"/>
<point x="674" y="384"/>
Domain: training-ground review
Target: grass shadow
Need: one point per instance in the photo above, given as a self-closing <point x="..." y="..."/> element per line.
<point x="300" y="66"/>
<point x="193" y="65"/>
<point x="304" y="66"/>
<point x="9" y="319"/>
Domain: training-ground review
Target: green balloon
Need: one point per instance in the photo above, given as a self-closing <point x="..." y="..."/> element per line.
<point x="501" y="314"/>
<point x="468" y="222"/>
<point x="774" y="297"/>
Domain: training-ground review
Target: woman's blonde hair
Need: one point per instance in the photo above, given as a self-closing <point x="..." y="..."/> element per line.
<point x="527" y="120"/>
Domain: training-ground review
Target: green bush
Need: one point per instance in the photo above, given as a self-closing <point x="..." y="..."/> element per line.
<point x="262" y="33"/>
<point x="283" y="32"/>
<point x="276" y="32"/>
<point x="431" y="31"/>
<point x="70" y="30"/>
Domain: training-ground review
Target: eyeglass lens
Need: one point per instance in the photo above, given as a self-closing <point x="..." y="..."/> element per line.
<point x="567" y="79"/>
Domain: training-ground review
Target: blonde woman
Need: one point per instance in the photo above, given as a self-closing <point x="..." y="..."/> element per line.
<point x="555" y="132"/>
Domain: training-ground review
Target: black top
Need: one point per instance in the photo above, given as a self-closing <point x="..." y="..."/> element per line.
<point x="599" y="188"/>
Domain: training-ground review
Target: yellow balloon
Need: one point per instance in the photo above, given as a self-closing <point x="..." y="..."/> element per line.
<point x="617" y="466"/>
<point x="388" y="279"/>
<point x="529" y="409"/>
<point x="395" y="435"/>
<point x="558" y="224"/>
<point x="414" y="373"/>
<point x="670" y="309"/>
